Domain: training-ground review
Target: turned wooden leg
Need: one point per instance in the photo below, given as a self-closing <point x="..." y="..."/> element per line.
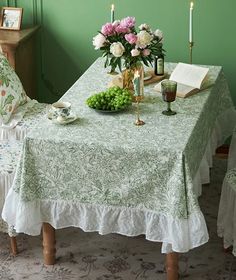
<point x="172" y="266"/>
<point x="13" y="246"/>
<point x="49" y="250"/>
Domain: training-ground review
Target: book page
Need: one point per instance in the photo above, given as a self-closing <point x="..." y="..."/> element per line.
<point x="184" y="90"/>
<point x="188" y="74"/>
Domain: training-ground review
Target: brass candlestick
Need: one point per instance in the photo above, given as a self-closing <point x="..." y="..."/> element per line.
<point x="138" y="121"/>
<point x="191" y="52"/>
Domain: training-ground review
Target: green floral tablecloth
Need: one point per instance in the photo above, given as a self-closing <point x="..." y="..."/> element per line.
<point x="103" y="173"/>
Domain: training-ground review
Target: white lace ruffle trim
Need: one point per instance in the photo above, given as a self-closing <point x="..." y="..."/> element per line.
<point x="177" y="235"/>
<point x="5" y="184"/>
<point x="28" y="218"/>
<point x="223" y="129"/>
<point x="226" y="223"/>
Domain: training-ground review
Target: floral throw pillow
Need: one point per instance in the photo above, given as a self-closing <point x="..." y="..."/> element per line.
<point x="12" y="94"/>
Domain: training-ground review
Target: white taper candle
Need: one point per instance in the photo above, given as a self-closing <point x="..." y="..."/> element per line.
<point x="191" y="23"/>
<point x="112" y="13"/>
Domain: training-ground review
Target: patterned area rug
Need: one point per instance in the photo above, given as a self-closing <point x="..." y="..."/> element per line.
<point x="90" y="256"/>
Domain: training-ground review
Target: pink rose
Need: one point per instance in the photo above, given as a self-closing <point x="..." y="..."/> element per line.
<point x="131" y="38"/>
<point x="135" y="52"/>
<point x="146" y="52"/>
<point x="128" y="22"/>
<point x="3" y="93"/>
<point x="107" y="29"/>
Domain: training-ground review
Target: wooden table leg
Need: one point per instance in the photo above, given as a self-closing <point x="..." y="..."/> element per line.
<point x="49" y="250"/>
<point x="172" y="266"/>
<point x="13" y="246"/>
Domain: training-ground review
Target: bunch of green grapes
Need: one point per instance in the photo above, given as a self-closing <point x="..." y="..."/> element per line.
<point x="115" y="98"/>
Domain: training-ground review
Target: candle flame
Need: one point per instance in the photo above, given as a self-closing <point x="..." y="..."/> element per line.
<point x="191" y="5"/>
<point x="136" y="74"/>
<point x="112" y="7"/>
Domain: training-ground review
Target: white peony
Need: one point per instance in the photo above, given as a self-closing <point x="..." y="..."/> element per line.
<point x="144" y="39"/>
<point x="159" y="34"/>
<point x="117" y="49"/>
<point x="144" y="26"/>
<point x="99" y="41"/>
<point x="116" y="23"/>
<point x="135" y="52"/>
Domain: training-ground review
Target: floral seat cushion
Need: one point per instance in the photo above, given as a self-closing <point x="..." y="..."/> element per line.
<point x="12" y="93"/>
<point x="9" y="157"/>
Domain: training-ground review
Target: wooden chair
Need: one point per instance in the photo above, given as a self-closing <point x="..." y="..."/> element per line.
<point x="226" y="224"/>
<point x="9" y="156"/>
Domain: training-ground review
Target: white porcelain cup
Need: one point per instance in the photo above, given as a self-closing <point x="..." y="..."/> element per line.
<point x="61" y="109"/>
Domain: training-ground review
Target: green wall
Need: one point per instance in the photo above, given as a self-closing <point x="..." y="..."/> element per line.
<point x="65" y="48"/>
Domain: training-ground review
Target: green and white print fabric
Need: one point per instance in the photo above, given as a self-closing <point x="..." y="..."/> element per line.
<point x="12" y="94"/>
<point x="102" y="173"/>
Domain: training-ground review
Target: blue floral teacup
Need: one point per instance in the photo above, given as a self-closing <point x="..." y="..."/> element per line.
<point x="61" y="109"/>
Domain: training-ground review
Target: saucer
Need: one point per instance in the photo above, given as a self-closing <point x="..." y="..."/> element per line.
<point x="60" y="120"/>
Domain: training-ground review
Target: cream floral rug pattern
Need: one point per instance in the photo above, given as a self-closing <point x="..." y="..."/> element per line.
<point x="90" y="256"/>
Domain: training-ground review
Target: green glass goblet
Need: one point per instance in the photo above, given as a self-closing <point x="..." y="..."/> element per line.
<point x="168" y="90"/>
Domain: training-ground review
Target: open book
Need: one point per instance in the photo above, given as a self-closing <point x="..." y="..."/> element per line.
<point x="189" y="79"/>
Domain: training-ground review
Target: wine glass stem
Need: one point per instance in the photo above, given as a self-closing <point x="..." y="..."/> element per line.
<point x="168" y="106"/>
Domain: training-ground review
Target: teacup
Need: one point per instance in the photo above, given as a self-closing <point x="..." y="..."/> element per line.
<point x="61" y="109"/>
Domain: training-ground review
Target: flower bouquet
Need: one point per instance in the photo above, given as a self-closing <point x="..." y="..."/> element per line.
<point x="121" y="43"/>
<point x="120" y="39"/>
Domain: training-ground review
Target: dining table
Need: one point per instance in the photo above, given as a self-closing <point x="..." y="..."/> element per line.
<point x="103" y="173"/>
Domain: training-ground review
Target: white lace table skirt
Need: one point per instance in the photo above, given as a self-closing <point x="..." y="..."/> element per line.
<point x="226" y="224"/>
<point x="9" y="156"/>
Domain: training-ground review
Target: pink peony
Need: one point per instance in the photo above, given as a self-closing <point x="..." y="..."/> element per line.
<point x="128" y="22"/>
<point x="121" y="29"/>
<point x="131" y="38"/>
<point x="107" y="29"/>
<point x="146" y="52"/>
